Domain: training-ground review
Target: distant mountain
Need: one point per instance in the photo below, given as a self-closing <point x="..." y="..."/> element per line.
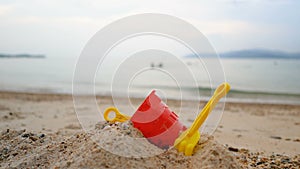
<point x="256" y="53"/>
<point x="260" y="53"/>
<point x="21" y="56"/>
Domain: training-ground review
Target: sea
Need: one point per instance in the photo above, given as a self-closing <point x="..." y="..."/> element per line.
<point x="274" y="81"/>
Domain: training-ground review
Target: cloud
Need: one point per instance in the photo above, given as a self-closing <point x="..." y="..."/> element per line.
<point x="58" y="20"/>
<point x="229" y="24"/>
<point x="225" y="26"/>
<point x="5" y="9"/>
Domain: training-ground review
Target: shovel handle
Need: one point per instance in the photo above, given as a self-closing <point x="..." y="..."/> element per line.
<point x="119" y="117"/>
<point x="220" y="92"/>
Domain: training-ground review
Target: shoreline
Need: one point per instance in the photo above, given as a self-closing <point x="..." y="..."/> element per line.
<point x="229" y="99"/>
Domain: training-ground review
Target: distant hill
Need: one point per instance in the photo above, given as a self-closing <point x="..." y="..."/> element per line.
<point x="260" y="53"/>
<point x="256" y="53"/>
<point x="21" y="56"/>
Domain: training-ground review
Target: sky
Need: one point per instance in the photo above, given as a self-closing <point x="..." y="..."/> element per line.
<point x="59" y="28"/>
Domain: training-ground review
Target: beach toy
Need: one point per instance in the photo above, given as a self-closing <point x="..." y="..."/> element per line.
<point x="118" y="117"/>
<point x="157" y="122"/>
<point x="187" y="141"/>
<point x="162" y="127"/>
<point x="154" y="119"/>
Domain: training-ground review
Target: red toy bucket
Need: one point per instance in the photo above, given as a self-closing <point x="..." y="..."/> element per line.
<point x="157" y="122"/>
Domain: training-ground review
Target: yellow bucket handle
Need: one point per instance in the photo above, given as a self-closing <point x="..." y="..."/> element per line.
<point x="119" y="117"/>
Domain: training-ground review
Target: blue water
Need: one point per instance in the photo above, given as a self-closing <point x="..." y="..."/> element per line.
<point x="252" y="80"/>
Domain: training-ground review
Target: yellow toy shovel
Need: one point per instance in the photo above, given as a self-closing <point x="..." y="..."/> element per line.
<point x="187" y="141"/>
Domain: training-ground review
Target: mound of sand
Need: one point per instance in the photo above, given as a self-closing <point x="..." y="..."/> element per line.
<point x="22" y="149"/>
<point x="25" y="149"/>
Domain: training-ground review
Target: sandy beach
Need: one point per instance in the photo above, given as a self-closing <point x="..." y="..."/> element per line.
<point x="250" y="135"/>
<point x="226" y="74"/>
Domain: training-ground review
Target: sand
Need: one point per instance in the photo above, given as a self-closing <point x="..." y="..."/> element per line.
<point x="42" y="130"/>
<point x="21" y="149"/>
